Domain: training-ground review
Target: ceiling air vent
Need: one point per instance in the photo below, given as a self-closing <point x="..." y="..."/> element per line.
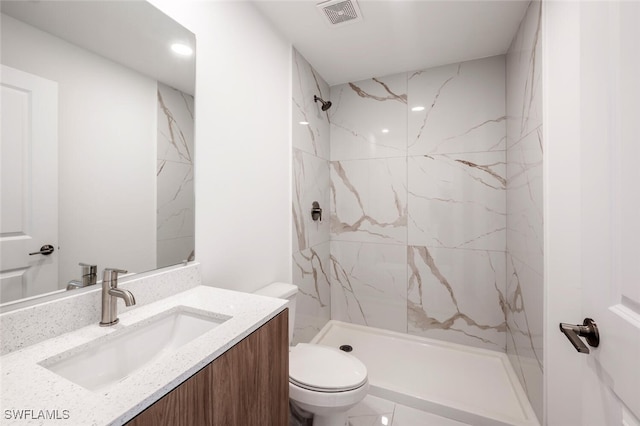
<point x="340" y="12"/>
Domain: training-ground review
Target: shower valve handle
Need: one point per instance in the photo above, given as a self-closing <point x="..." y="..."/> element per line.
<point x="316" y="211"/>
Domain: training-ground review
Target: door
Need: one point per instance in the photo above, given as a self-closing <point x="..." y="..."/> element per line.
<point x="610" y="132"/>
<point x="29" y="184"/>
<point x="594" y="183"/>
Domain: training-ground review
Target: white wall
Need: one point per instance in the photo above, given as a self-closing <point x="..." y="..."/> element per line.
<point x="562" y="216"/>
<point x="243" y="148"/>
<point x="107" y="151"/>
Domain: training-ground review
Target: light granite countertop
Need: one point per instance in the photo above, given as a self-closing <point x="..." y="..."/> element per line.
<point x="34" y="392"/>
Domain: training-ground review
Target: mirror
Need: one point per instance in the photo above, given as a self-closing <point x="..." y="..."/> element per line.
<point x="97" y="142"/>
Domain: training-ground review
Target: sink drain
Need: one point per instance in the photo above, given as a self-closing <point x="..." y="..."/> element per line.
<point x="346" y="348"/>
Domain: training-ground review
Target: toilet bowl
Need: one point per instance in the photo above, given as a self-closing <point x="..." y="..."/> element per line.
<point x="326" y="381"/>
<point x="323" y="380"/>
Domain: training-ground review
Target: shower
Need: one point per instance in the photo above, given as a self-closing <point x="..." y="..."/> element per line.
<point x="325" y="105"/>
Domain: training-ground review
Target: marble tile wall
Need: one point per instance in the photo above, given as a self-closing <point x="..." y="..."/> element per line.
<point x="524" y="297"/>
<point x="310" y="166"/>
<point x="175" y="193"/>
<point x="418" y="210"/>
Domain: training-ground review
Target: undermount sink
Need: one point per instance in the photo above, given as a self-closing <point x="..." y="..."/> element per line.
<point x="111" y="358"/>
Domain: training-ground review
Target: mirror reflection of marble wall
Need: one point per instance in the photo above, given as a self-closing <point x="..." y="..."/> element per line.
<point x="176" y="239"/>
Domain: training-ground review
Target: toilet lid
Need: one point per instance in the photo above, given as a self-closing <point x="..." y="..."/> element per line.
<point x="325" y="369"/>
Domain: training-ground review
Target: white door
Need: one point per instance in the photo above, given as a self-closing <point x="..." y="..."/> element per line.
<point x="594" y="111"/>
<point x="29" y="184"/>
<point x="610" y="132"/>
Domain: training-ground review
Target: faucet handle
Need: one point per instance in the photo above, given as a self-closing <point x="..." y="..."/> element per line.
<point x="111" y="274"/>
<point x="89" y="273"/>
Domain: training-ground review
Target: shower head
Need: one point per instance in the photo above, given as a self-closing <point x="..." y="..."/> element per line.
<point x="325" y="105"/>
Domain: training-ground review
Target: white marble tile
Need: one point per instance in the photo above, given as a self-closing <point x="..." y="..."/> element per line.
<point x="313" y="137"/>
<point x="371" y="411"/>
<point x="368" y="284"/>
<point x="175" y="200"/>
<point x="369" y="200"/>
<point x="464" y="108"/>
<point x="457" y="200"/>
<point x="311" y="273"/>
<point x="369" y="118"/>
<point x="525" y="322"/>
<point x="525" y="245"/>
<point x="175" y="125"/>
<point x="408" y="416"/>
<point x="457" y="295"/>
<point x="524" y="77"/>
<point x="310" y="183"/>
<point x="525" y="200"/>
<point x="174" y="175"/>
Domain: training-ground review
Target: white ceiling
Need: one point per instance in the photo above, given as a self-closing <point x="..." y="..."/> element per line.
<point x="396" y="35"/>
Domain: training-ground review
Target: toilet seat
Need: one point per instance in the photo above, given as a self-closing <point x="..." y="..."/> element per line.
<point x="325" y="369"/>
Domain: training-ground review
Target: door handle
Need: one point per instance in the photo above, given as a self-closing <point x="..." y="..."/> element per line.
<point x="45" y="250"/>
<point x="588" y="330"/>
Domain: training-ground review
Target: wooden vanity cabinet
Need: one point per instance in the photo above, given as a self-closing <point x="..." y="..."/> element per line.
<point x="247" y="385"/>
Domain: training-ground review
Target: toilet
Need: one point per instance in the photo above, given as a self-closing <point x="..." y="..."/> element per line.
<point x="323" y="380"/>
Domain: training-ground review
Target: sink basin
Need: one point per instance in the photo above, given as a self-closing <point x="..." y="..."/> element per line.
<point x="111" y="358"/>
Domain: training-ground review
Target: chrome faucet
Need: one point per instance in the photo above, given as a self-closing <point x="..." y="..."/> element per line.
<point x="110" y="293"/>
<point x="89" y="277"/>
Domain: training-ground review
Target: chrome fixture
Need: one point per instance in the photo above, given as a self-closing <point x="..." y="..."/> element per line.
<point x="316" y="212"/>
<point x="588" y="330"/>
<point x="325" y="104"/>
<point x="110" y="294"/>
<point x="89" y="277"/>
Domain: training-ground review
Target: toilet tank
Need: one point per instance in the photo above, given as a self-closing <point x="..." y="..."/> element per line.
<point x="283" y="291"/>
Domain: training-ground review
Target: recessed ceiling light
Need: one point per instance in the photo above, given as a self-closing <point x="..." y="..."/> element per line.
<point x="304" y="123"/>
<point x="182" y="49"/>
<point x="385" y="130"/>
<point x="417" y="108"/>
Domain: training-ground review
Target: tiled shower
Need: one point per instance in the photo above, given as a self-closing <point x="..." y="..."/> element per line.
<point x="430" y="184"/>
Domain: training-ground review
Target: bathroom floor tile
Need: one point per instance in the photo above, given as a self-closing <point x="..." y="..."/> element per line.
<point x="372" y="411"/>
<point x="407" y="416"/>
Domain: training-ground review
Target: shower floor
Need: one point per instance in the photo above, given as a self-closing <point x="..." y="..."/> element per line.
<point x="462" y="383"/>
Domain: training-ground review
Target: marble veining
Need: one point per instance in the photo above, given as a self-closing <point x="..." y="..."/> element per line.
<point x="368" y="284"/>
<point x="525" y="253"/>
<point x="463" y="108"/>
<point x="310" y="183"/>
<point x="312" y="137"/>
<point x="311" y="177"/>
<point x="468" y="303"/>
<point x="431" y="180"/>
<point x="311" y="273"/>
<point x="369" y="118"/>
<point x="457" y="200"/>
<point x="391" y="95"/>
<point x="369" y="200"/>
<point x="174" y="174"/>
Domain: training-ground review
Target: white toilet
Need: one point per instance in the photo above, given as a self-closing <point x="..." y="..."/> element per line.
<point x="323" y="380"/>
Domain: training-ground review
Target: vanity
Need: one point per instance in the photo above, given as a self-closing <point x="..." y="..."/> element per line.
<point x="220" y="358"/>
